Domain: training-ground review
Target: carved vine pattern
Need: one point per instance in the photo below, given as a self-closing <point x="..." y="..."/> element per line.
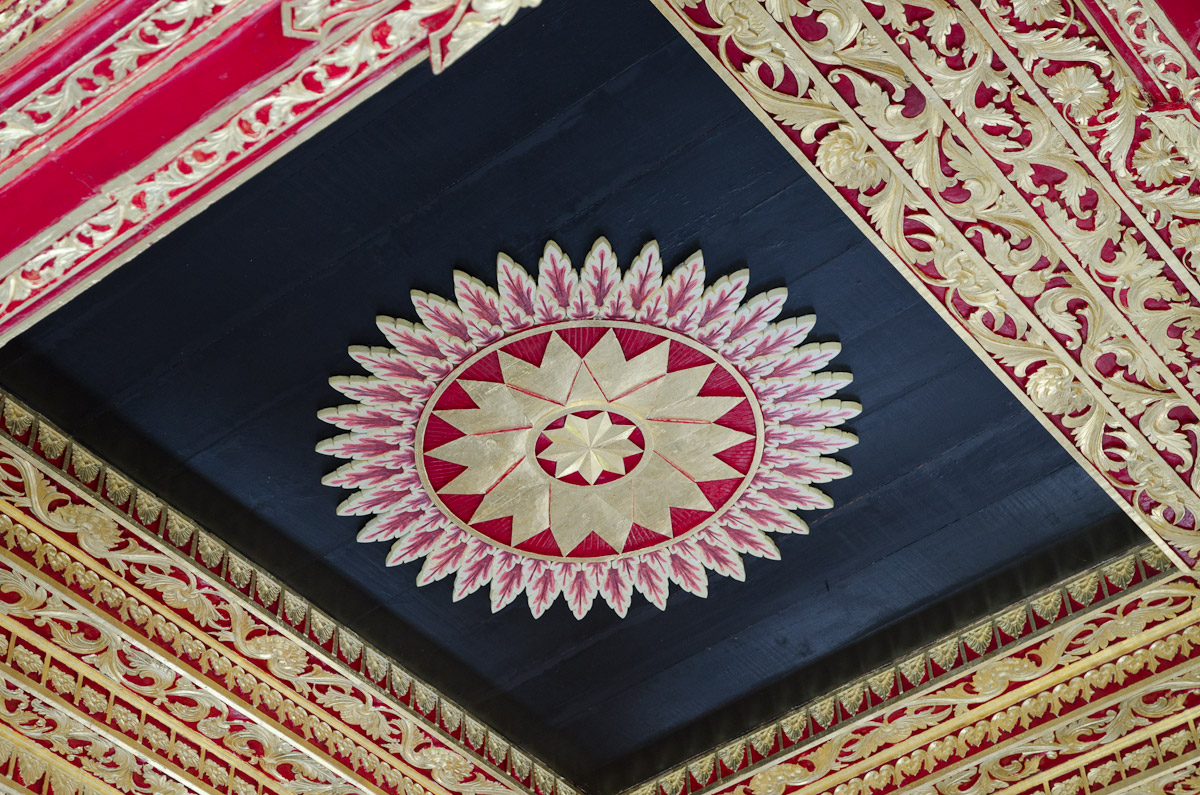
<point x="128" y="56"/>
<point x="198" y="628"/>
<point x="1011" y="236"/>
<point x="37" y="739"/>
<point x="400" y="34"/>
<point x="140" y="512"/>
<point x="22" y="19"/>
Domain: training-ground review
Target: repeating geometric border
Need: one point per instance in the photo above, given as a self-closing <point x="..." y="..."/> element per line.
<point x="1023" y="178"/>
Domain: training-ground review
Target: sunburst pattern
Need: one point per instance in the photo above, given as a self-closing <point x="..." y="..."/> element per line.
<point x="591" y="433"/>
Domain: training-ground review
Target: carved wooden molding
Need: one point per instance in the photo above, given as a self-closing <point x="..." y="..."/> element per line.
<point x="303" y="64"/>
<point x="123" y="615"/>
<point x="122" y="620"/>
<point x="1016" y="171"/>
<point x="943" y="713"/>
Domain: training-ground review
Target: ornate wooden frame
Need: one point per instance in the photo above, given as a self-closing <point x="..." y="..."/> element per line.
<point x="1030" y="167"/>
<point x="104" y="152"/>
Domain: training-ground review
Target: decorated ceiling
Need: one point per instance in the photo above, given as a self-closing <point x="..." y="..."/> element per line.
<point x="648" y="398"/>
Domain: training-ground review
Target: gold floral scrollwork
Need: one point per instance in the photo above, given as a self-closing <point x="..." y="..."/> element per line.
<point x="466" y="26"/>
<point x="927" y="132"/>
<point x="473" y="20"/>
<point x="124" y="618"/>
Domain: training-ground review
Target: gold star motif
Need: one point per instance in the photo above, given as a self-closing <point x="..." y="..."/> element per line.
<point x="681" y="445"/>
<point x="590" y="446"/>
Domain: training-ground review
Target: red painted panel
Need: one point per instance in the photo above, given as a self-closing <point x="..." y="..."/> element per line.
<point x="243" y="56"/>
<point x="1185" y="15"/>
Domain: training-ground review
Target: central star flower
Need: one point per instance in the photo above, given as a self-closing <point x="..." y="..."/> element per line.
<point x="590" y="444"/>
<point x="604" y="397"/>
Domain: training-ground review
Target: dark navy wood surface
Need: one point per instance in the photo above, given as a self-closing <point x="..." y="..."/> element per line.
<point x="200" y="367"/>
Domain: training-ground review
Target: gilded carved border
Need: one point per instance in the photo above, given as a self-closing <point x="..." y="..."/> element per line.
<point x="1018" y="174"/>
<point x="353" y="54"/>
<point x="131" y="579"/>
<point x="1037" y="189"/>
<point x="1037" y="640"/>
<point x="111" y="598"/>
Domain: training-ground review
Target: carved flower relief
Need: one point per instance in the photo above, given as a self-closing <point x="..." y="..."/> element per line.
<point x="1156" y="161"/>
<point x="1038" y="12"/>
<point x="1053" y="390"/>
<point x="844" y="159"/>
<point x="1187" y="238"/>
<point x="99" y="533"/>
<point x="1078" y="90"/>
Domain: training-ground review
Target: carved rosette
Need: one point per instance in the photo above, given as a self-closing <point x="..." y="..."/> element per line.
<point x="589" y="433"/>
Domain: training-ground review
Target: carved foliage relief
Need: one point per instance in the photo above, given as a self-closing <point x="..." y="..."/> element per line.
<point x="130" y="663"/>
<point x="356" y="42"/>
<point x="1032" y="196"/>
<point x="159" y="658"/>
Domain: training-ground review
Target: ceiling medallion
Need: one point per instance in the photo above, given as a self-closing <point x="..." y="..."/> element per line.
<point x="593" y="432"/>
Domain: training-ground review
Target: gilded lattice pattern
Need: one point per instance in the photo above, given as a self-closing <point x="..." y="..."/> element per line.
<point x="988" y="199"/>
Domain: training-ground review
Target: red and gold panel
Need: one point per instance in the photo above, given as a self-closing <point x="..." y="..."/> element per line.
<point x="201" y="665"/>
<point x="137" y="114"/>
<point x="608" y="438"/>
<point x="139" y="655"/>
<point x="1008" y="160"/>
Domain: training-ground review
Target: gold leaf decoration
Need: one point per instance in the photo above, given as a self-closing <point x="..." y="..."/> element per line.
<point x="1049" y="605"/>
<point x="349" y="645"/>
<point x="148" y="510"/>
<point x="268" y="588"/>
<point x="704" y="768"/>
<point x="1083" y="590"/>
<point x="85" y="465"/>
<point x="209" y="549"/>
<point x="117" y="488"/>
<point x="732" y="754"/>
<point x="240" y="570"/>
<point x="16" y="419"/>
<point x="321" y="627"/>
<point x="520" y="763"/>
<point x="51" y="441"/>
<point x="978" y="638"/>
<point x="1121" y="573"/>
